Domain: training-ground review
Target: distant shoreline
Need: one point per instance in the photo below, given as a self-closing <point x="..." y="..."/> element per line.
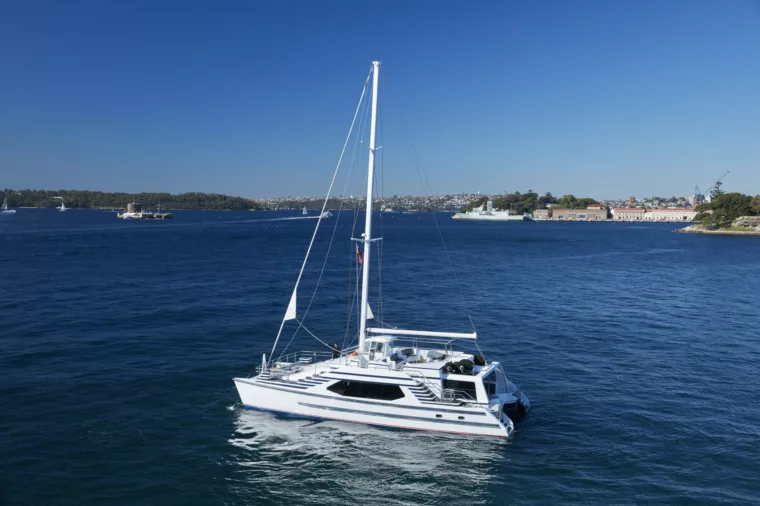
<point x="697" y="230"/>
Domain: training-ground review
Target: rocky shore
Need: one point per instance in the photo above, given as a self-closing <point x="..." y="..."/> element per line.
<point x="746" y="225"/>
<point x="694" y="230"/>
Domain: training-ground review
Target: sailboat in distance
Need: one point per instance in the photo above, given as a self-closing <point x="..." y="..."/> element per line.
<point x="62" y="208"/>
<point x="4" y="209"/>
<point x="398" y="378"/>
<point x="304" y="211"/>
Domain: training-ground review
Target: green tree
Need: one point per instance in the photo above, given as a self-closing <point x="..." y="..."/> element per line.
<point x="96" y="199"/>
<point x="571" y="202"/>
<point x="756" y="204"/>
<point x="475" y="203"/>
<point x="725" y="209"/>
<point x="543" y="202"/>
<point x="567" y="202"/>
<point x="716" y="191"/>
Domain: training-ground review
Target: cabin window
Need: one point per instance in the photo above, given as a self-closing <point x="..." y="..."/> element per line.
<point x="489" y="383"/>
<point x="365" y="390"/>
<point x="376" y="350"/>
<point x="463" y="388"/>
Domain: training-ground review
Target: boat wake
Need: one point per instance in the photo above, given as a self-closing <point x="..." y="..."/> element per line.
<point x="339" y="458"/>
<point x="149" y="224"/>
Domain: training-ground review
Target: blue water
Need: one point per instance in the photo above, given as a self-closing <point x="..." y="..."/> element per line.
<point x="638" y="347"/>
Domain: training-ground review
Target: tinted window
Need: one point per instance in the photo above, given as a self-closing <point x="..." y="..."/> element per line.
<point x="367" y="390"/>
<point x="489" y="382"/>
<point x="466" y="387"/>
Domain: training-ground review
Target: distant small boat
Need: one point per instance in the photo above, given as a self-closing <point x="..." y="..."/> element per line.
<point x="4" y="209"/>
<point x="304" y="212"/>
<point x="135" y="212"/>
<point x="326" y="214"/>
<point x="62" y="208"/>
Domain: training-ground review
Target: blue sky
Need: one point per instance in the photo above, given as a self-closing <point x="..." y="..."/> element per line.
<point x="595" y="98"/>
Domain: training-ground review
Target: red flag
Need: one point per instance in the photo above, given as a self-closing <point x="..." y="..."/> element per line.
<point x="359" y="255"/>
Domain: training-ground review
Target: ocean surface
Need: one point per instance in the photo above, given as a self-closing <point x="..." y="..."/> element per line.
<point x="639" y="349"/>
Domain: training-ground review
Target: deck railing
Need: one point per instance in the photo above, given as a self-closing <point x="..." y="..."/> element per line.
<point x="298" y="360"/>
<point x="442" y="394"/>
<point x="424" y="380"/>
<point x="294" y="362"/>
<point x="454" y="394"/>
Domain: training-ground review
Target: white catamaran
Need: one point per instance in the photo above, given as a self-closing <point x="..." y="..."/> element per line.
<point x="4" y="209"/>
<point x="410" y="379"/>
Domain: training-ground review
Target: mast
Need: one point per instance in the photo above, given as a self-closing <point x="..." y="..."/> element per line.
<point x="368" y="219"/>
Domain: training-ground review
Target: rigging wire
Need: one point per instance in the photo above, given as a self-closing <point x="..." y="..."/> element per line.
<point x="352" y="297"/>
<point x="426" y="185"/>
<point x="335" y="228"/>
<point x="324" y="205"/>
<point x="352" y="256"/>
<point x="357" y="206"/>
<point x="301" y="325"/>
<point x="382" y="221"/>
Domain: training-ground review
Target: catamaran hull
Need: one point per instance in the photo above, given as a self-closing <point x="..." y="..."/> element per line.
<point x="278" y="400"/>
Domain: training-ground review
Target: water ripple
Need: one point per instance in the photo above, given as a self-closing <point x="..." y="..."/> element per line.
<point x="119" y="340"/>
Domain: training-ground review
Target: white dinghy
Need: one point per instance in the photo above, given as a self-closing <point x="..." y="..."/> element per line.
<point x="410" y="379"/>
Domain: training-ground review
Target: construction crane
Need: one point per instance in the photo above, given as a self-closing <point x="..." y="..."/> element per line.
<point x="716" y="185"/>
<point x="697" y="198"/>
<point x="720" y="179"/>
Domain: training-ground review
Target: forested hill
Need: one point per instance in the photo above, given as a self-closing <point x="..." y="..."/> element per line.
<point x="528" y="202"/>
<point x="93" y="199"/>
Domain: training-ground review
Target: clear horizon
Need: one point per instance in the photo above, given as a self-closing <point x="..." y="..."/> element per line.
<point x="591" y="98"/>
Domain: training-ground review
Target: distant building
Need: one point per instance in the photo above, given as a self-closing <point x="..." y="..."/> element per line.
<point x="656" y="214"/>
<point x="671" y="214"/>
<point x="627" y="214"/>
<point x="541" y="214"/>
<point x="596" y="213"/>
<point x="631" y="200"/>
<point x="695" y="200"/>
